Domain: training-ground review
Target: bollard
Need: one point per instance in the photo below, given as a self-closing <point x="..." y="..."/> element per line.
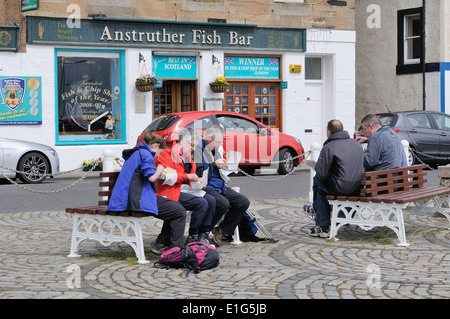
<point x="108" y="160"/>
<point x="315" y="152"/>
<point x="406" y="149"/>
<point x="108" y="166"/>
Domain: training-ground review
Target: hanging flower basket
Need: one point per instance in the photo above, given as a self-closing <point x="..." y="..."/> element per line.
<point x="218" y="88"/>
<point x="145" y="83"/>
<point x="144" y="87"/>
<point x="220" y="85"/>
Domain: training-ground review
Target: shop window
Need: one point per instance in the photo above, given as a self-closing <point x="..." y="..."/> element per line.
<point x="89" y="97"/>
<point x="412" y="47"/>
<point x="163" y="100"/>
<point x="313" y="68"/>
<point x="257" y="100"/>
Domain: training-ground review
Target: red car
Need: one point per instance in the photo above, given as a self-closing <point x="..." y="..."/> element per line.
<point x="258" y="144"/>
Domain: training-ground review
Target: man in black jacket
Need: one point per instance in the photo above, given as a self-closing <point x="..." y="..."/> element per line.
<point x="338" y="171"/>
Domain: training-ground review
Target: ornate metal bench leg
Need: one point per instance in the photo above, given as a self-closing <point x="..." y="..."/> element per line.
<point x="367" y="216"/>
<point x="75" y="238"/>
<point x="444" y="207"/>
<point x="139" y="244"/>
<point x="334" y="221"/>
<point x="401" y="227"/>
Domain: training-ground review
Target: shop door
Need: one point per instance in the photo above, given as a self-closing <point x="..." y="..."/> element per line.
<point x="173" y="97"/>
<point x="260" y="101"/>
<point x="313" y="112"/>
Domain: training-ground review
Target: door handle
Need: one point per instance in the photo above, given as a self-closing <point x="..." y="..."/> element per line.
<point x="443" y="134"/>
<point x="413" y="131"/>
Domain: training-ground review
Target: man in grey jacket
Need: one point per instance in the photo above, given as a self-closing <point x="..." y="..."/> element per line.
<point x="338" y="171"/>
<point x="385" y="150"/>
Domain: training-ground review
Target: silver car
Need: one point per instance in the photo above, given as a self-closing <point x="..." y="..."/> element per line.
<point x="31" y="162"/>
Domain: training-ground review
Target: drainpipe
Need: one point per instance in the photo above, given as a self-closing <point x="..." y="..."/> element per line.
<point x="424" y="56"/>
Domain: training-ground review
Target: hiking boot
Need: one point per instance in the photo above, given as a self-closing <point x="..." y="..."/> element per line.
<point x="158" y="249"/>
<point x="204" y="238"/>
<point x="309" y="211"/>
<point x="218" y="235"/>
<point x="318" y="231"/>
<point x="191" y="239"/>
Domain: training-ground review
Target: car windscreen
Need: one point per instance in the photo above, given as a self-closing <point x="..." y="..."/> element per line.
<point x="163" y="123"/>
<point x="386" y="119"/>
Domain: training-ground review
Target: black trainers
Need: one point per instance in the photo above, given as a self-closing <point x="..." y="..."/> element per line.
<point x="318" y="231"/>
<point x="158" y="249"/>
<point x="204" y="238"/>
<point x="309" y="211"/>
<point x="191" y="239"/>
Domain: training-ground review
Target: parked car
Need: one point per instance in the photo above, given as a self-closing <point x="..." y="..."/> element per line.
<point x="258" y="144"/>
<point x="35" y="161"/>
<point x="427" y="132"/>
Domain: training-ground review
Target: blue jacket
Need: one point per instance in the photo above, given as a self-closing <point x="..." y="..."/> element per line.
<point x="384" y="151"/>
<point x="144" y="197"/>
<point x="204" y="159"/>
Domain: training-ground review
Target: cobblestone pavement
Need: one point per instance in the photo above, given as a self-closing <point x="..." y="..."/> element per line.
<point x="367" y="265"/>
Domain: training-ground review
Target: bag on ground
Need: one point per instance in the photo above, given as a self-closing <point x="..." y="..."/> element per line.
<point x="195" y="256"/>
<point x="248" y="229"/>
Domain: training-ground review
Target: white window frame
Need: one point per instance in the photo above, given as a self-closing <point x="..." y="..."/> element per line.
<point x="408" y="40"/>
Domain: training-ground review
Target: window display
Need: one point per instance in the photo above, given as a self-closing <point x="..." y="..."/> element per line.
<point x="89" y="97"/>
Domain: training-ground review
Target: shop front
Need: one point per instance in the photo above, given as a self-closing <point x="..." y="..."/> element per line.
<point x="87" y="99"/>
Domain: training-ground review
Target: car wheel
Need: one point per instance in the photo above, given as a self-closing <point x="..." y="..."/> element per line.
<point x="34" y="167"/>
<point x="286" y="164"/>
<point x="412" y="159"/>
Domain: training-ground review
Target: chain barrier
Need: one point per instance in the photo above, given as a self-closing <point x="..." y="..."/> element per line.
<point x="57" y="190"/>
<point x="278" y="162"/>
<point x="120" y="162"/>
<point x="416" y="152"/>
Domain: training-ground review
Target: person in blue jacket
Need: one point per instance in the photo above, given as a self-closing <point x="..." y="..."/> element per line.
<point x="134" y="191"/>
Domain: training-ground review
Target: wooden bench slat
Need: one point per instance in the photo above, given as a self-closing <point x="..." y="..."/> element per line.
<point x="391" y="188"/>
<point x="409" y="196"/>
<point x="415" y="178"/>
<point x="414" y="169"/>
<point x="109" y="184"/>
<point x="105" y="193"/>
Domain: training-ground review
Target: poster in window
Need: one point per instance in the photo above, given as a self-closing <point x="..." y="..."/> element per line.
<point x="89" y="97"/>
<point x="20" y="100"/>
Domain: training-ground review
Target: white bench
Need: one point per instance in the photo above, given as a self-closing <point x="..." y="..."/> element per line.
<point x="384" y="196"/>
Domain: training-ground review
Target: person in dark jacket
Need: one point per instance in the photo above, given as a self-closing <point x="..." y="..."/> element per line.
<point x="133" y="191"/>
<point x="338" y="171"/>
<point x="208" y="157"/>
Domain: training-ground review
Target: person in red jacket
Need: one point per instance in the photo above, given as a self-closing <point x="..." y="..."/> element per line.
<point x="179" y="158"/>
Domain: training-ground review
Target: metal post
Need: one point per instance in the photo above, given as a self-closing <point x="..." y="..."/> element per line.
<point x="424" y="56"/>
<point x="108" y="166"/>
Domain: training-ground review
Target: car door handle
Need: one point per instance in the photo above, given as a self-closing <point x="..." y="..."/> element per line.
<point x="443" y="134"/>
<point x="413" y="131"/>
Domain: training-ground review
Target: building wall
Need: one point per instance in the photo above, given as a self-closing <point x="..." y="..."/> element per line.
<point x="331" y="36"/>
<point x="378" y="87"/>
<point x="312" y="14"/>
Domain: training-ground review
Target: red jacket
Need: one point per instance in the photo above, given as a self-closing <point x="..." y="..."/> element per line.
<point x="172" y="158"/>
